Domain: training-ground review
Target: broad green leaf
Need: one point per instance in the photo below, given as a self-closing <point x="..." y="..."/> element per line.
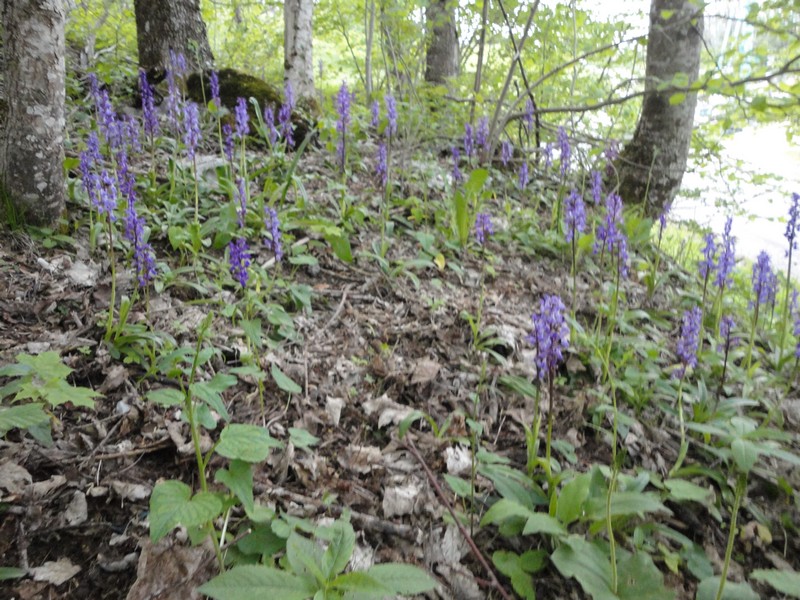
<point x="252" y="329"/>
<point x="626" y="504"/>
<point x="475" y="181"/>
<point x="252" y="581"/>
<point x="11" y="573"/>
<point x="511" y="565"/>
<point x="707" y="590"/>
<point x="23" y="416"/>
<point x="283" y="381"/>
<point x="461" y="487"/>
<point x="172" y="504"/>
<point x="677" y="98"/>
<point x="239" y="480"/>
<point x="359" y="585"/>
<point x="639" y="579"/>
<point x="571" y="499"/>
<point x="587" y="563"/>
<point x="341" y="247"/>
<point x="785" y="582"/>
<point x="47" y="365"/>
<point x="745" y="454"/>
<point x="341" y="540"/>
<point x="261" y="541"/>
<point x="301" y="438"/>
<point x="543" y="523"/>
<point x="402" y="579"/>
<point x="210" y="392"/>
<point x="165" y="396"/>
<point x="305" y="557"/>
<point x="249" y="443"/>
<point x="520" y="385"/>
<point x="681" y="490"/>
<point x="505" y="509"/>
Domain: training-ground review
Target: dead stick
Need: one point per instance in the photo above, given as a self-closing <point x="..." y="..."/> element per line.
<point x="409" y="444"/>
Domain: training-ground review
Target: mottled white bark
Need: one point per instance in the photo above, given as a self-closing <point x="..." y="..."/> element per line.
<point x="651" y="165"/>
<point x="164" y="25"/>
<point x="32" y="139"/>
<point x="298" y="63"/>
<point x="441" y="59"/>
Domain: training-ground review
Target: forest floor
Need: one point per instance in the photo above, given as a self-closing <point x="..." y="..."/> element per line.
<point x="373" y="348"/>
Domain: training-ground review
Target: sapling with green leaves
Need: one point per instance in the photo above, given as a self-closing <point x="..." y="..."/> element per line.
<point x="550" y="337"/>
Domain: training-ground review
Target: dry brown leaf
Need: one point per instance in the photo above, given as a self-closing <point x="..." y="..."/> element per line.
<point x="14" y="478"/>
<point x="425" y="370"/>
<point x="361" y="459"/>
<point x="169" y="570"/>
<point x="55" y="572"/>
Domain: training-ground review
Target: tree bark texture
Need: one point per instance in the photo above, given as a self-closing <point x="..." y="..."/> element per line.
<point x="164" y="25"/>
<point x="32" y="138"/>
<point x="298" y="63"/>
<point x="441" y="60"/>
<point x="652" y="164"/>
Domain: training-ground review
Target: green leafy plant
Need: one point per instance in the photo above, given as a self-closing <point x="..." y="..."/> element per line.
<point x="314" y="567"/>
<point x="41" y="379"/>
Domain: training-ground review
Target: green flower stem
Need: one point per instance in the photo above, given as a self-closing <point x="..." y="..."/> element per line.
<point x="741" y="485"/>
<point x="612" y="320"/>
<point x="684" y="445"/>
<point x="785" y="314"/>
<point x="752" y="337"/>
<point x="612" y="543"/>
<point x="551" y="385"/>
<point x="194" y="427"/>
<point x="113" y="300"/>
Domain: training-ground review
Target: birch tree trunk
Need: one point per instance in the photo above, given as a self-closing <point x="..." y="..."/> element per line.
<point x="164" y="25"/>
<point x="32" y="137"/>
<point x="441" y="59"/>
<point x="652" y="164"/>
<point x="298" y="64"/>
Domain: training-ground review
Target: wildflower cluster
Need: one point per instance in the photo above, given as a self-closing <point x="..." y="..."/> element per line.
<point x="610" y="237"/>
<point x="382" y="163"/>
<point x="565" y="150"/>
<point x="688" y="340"/>
<point x="483" y="227"/>
<point x="706" y="265"/>
<point x="727" y="257"/>
<point x="765" y="281"/>
<point x="550" y="335"/>
<point x="342" y="102"/>
<point x="574" y="215"/>
<point x="506" y="152"/>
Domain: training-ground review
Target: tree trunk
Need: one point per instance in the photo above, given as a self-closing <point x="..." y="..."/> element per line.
<point x="175" y="25"/>
<point x="369" y="19"/>
<point x="652" y="164"/>
<point x="441" y="60"/>
<point x="476" y="89"/>
<point x="298" y="65"/>
<point x="32" y="137"/>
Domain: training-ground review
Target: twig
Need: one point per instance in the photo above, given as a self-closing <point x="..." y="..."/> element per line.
<point x="160" y="444"/>
<point x="361" y="519"/>
<point x="409" y="444"/>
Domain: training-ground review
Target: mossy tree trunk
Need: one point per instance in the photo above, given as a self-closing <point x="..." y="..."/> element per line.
<point x="298" y="62"/>
<point x="32" y="137"/>
<point x="652" y="164"/>
<point x="442" y="56"/>
<point x="176" y="25"/>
